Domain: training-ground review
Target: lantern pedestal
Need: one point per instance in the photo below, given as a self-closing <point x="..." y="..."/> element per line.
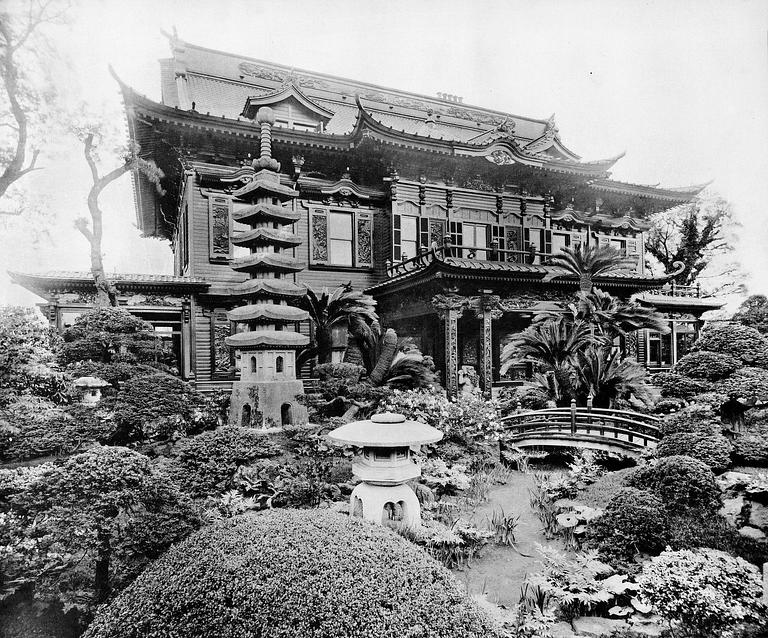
<point x="383" y="503"/>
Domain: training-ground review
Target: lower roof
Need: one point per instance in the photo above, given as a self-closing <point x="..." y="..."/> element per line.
<point x="60" y="280"/>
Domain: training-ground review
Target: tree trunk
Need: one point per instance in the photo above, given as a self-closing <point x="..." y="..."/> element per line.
<point x="101" y="581"/>
<point x="324" y="342"/>
<point x="353" y="353"/>
<point x="388" y="352"/>
<point x="585" y="284"/>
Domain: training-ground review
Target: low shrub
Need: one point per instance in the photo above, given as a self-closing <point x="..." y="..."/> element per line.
<point x="254" y="575"/>
<point x="634" y="521"/>
<point x="204" y="465"/>
<point x="693" y="418"/>
<point x="114" y="373"/>
<point x="748" y="385"/>
<point x="712" y="449"/>
<point x="702" y="364"/>
<point x="348" y="371"/>
<point x="715" y="401"/>
<point x="667" y="405"/>
<point x="738" y="341"/>
<point x="705" y="590"/>
<point x="681" y="482"/>
<point x="676" y="385"/>
<point x="529" y="397"/>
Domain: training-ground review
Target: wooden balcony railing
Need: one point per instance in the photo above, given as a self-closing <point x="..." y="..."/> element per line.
<point x="676" y="290"/>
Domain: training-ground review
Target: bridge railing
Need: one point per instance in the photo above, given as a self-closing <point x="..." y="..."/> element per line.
<point x="633" y="428"/>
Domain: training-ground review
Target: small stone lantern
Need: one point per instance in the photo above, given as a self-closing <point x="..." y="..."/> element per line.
<point x="385" y="466"/>
<point x="91" y="389"/>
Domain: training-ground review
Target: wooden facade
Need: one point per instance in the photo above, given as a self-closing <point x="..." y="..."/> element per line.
<point x="447" y="214"/>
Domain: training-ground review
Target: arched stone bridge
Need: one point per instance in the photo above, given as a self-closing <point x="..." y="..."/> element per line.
<point x="595" y="428"/>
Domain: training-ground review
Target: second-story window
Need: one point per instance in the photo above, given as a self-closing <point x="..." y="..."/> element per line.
<point x="340" y="238"/>
<point x="409" y="237"/>
<point x="476" y="236"/>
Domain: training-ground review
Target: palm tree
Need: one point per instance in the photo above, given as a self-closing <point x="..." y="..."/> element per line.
<point x="608" y="377"/>
<point x="589" y="261"/>
<point x="345" y="307"/>
<point x="553" y="343"/>
<point x="395" y="361"/>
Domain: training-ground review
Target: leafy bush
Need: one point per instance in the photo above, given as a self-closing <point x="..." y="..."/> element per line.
<point x="27" y="352"/>
<point x="748" y="384"/>
<point x="713" y="400"/>
<point x="634" y="521"/>
<point x="111" y="335"/>
<point x="255" y="576"/>
<point x="693" y="418"/>
<point x="347" y="371"/>
<point x="676" y="385"/>
<point x="705" y="590"/>
<point x="681" y="482"/>
<point x="157" y="405"/>
<point x="753" y="312"/>
<point x="31" y="427"/>
<point x="204" y="465"/>
<point x="702" y="364"/>
<point x="667" y="405"/>
<point x="712" y="449"/>
<point x="75" y="531"/>
<point x="528" y="396"/>
<point x="467" y="416"/>
<point x="739" y="341"/>
<point x="114" y="373"/>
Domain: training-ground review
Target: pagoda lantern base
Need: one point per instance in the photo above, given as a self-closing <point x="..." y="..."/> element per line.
<point x="386" y="504"/>
<point x="267" y="404"/>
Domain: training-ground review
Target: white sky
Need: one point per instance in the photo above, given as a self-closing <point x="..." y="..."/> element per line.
<point x="681" y="85"/>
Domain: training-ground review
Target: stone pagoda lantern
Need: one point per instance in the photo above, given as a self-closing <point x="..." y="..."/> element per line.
<point x="265" y="346"/>
<point x="385" y="465"/>
<point x="90" y="387"/>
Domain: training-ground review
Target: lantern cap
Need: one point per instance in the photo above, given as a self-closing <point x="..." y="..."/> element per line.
<point x="386" y="429"/>
<point x="90" y="382"/>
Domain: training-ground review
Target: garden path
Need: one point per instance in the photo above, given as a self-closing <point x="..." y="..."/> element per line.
<point x="500" y="571"/>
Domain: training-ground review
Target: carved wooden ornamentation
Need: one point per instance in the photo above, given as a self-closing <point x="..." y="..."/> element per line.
<point x="364" y="239"/>
<point x="450" y="308"/>
<point x="218" y="225"/>
<point x="318" y="236"/>
<point x="221" y="328"/>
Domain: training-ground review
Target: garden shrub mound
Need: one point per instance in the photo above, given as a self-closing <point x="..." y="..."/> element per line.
<point x="739" y="341"/>
<point x="308" y="573"/>
<point x="748" y="385"/>
<point x="678" y="386"/>
<point x="694" y="418"/>
<point x="707" y="591"/>
<point x="681" y="482"/>
<point x="750" y="446"/>
<point x="703" y="364"/>
<point x="712" y="449"/>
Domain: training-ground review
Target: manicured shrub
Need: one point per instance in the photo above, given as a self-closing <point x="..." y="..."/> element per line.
<point x="734" y="339"/>
<point x="748" y="385"/>
<point x="715" y="401"/>
<point x="667" y="405"/>
<point x="308" y="573"/>
<point x="634" y="521"/>
<point x="204" y="465"/>
<point x="681" y="482"/>
<point x="114" y="373"/>
<point x="676" y="385"/>
<point x="702" y="364"/>
<point x="529" y="398"/>
<point x="705" y="590"/>
<point x="157" y="405"/>
<point x="348" y="371"/>
<point x="692" y="418"/>
<point x="712" y="449"/>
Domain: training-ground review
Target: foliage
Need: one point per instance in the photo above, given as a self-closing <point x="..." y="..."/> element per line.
<point x="349" y="372"/>
<point x="608" y="377"/>
<point x="579" y="585"/>
<point x="712" y="449"/>
<point x="749" y="385"/>
<point x="668" y="405"/>
<point x="692" y="418"/>
<point x="465" y="416"/>
<point x="702" y="364"/>
<point x="252" y="575"/>
<point x="396" y="362"/>
<point x="588" y="261"/>
<point x="31" y="427"/>
<point x="111" y="335"/>
<point x="736" y="340"/>
<point x="76" y="530"/>
<point x="204" y="465"/>
<point x="681" y="482"/>
<point x="634" y="521"/>
<point x="158" y="405"/>
<point x="453" y="547"/>
<point x="344" y="307"/>
<point x="750" y="445"/>
<point x="706" y="591"/>
<point x="27" y="354"/>
<point x="672" y="384"/>
<point x="692" y="234"/>
<point x="529" y="397"/>
<point x="753" y="312"/>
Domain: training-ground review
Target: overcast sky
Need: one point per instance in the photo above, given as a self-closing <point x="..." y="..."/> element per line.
<point x="681" y="86"/>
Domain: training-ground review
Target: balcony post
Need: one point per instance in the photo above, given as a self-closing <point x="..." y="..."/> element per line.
<point x="487" y="309"/>
<point x="450" y="308"/>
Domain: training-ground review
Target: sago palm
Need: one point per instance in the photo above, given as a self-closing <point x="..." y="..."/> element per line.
<point x="614" y="317"/>
<point x="608" y="377"/>
<point x="554" y="344"/>
<point x="343" y="307"/>
<point x="589" y="261"/>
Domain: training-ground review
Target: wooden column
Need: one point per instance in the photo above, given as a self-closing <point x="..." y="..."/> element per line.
<point x="487" y="310"/>
<point x="450" y="308"/>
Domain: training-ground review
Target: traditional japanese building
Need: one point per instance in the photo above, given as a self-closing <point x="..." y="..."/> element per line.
<point x="446" y="213"/>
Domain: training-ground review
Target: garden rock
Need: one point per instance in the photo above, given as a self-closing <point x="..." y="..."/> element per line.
<point x="596" y="626"/>
<point x="752" y="532"/>
<point x="733" y="480"/>
<point x="732" y="509"/>
<point x="562" y="630"/>
<point x="758" y="516"/>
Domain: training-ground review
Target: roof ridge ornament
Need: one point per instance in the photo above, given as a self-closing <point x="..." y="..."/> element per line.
<point x="265" y="117"/>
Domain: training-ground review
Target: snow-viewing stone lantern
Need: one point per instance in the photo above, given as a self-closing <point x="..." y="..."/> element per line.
<point x="385" y="465"/>
<point x="90" y="387"/>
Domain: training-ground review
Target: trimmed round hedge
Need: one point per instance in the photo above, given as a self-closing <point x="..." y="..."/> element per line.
<point x="681" y="482"/>
<point x="702" y="364"/>
<point x="676" y="385"/>
<point x="712" y="449"/>
<point x="747" y="384"/>
<point x="693" y="418"/>
<point x="736" y="340"/>
<point x="287" y="573"/>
